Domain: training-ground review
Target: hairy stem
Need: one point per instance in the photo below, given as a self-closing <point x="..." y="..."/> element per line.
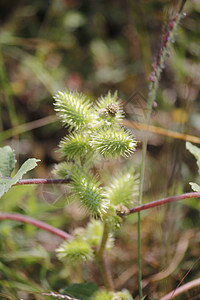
<point x="132" y="210"/>
<point x="18" y="217"/>
<point x="102" y="261"/>
<point x="163" y="201"/>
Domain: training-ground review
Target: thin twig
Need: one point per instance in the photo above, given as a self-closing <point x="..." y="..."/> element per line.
<point x="18" y="217"/>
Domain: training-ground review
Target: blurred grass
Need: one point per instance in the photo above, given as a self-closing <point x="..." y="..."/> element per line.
<point x="94" y="47"/>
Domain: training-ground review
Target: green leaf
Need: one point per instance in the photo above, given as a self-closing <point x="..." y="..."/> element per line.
<point x="7" y="161"/>
<point x="82" y="291"/>
<point x="195" y="187"/>
<point x="195" y="151"/>
<point x="6" y="183"/>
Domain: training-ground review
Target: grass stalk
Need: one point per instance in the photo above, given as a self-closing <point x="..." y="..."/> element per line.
<point x="166" y="42"/>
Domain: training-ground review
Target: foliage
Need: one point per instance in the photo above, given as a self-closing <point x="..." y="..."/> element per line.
<point x="196" y="152"/>
<point x="8" y="161"/>
<point x="47" y="46"/>
<point x="82" y="291"/>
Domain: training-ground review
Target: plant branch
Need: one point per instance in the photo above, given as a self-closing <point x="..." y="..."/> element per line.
<point x="102" y="262"/>
<point x="18" y="217"/>
<point x="102" y="246"/>
<point x="163" y="201"/>
<point x="42" y="181"/>
<point x="131" y="210"/>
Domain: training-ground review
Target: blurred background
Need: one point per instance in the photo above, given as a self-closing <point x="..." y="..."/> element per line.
<point x="93" y="47"/>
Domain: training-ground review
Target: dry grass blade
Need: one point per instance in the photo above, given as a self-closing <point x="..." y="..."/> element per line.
<point x="179" y="255"/>
<point x="188" y="286"/>
<point x="162" y="131"/>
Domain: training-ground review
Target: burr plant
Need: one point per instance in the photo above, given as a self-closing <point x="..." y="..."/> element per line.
<point x="95" y="132"/>
<point x="94" y="128"/>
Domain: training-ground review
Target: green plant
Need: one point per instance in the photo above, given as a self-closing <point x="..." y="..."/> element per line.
<point x="95" y="134"/>
<point x="107" y="204"/>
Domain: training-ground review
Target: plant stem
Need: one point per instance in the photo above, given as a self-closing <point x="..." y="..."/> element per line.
<point x="139" y="256"/>
<point x="37" y="223"/>
<point x="101" y="260"/>
<point x="131" y="210"/>
<point x="163" y="201"/>
<point x="167" y="40"/>
<point x="144" y="150"/>
<point x="43" y="181"/>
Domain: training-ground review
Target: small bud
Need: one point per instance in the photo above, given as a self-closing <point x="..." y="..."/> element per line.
<point x="111" y="109"/>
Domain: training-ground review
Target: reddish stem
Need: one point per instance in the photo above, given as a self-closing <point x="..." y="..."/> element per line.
<point x="163" y="201"/>
<point x="39" y="224"/>
<point x="132" y="210"/>
<point x="42" y="181"/>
